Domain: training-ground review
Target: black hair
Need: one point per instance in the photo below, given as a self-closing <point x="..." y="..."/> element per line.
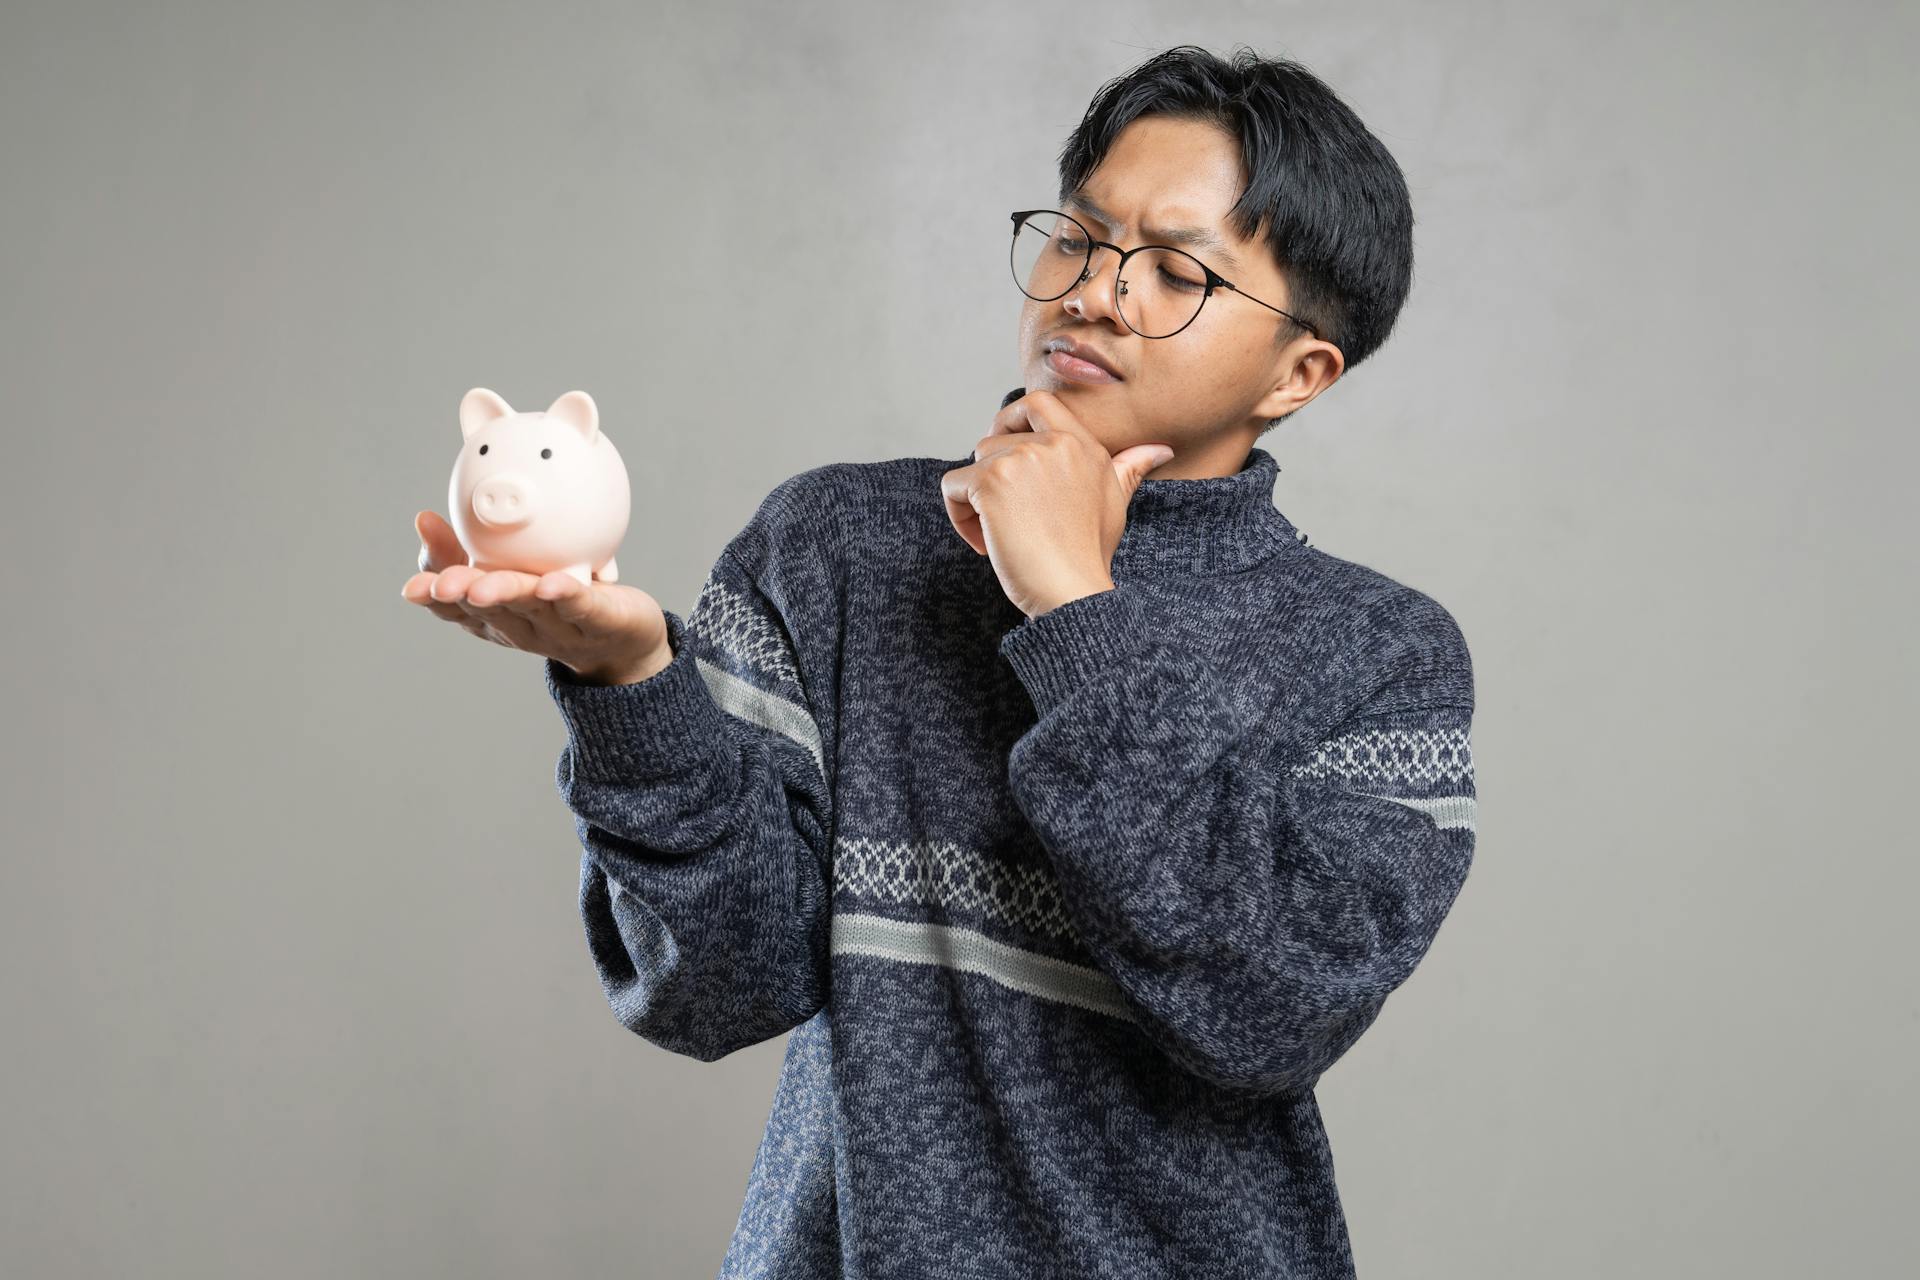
<point x="1333" y="203"/>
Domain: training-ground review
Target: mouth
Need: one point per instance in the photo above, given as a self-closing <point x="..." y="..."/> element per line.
<point x="1079" y="361"/>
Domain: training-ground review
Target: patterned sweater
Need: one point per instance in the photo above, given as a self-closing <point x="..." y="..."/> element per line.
<point x="1066" y="915"/>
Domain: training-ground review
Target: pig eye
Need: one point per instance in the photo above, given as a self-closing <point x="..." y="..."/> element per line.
<point x="483" y="448"/>
<point x="546" y="453"/>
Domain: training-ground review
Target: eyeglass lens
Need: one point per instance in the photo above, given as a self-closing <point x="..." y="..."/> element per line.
<point x="1159" y="294"/>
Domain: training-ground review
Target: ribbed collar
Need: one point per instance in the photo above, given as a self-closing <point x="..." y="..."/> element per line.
<point x="1200" y="527"/>
<point x="1204" y="526"/>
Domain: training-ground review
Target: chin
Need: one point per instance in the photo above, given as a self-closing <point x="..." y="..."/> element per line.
<point x="1047" y="380"/>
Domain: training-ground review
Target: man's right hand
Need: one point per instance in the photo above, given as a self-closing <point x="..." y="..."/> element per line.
<point x="606" y="633"/>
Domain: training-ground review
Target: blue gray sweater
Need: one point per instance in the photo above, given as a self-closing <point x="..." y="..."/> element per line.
<point x="1067" y="914"/>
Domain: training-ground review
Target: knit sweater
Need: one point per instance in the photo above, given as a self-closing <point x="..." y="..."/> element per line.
<point x="1067" y="914"/>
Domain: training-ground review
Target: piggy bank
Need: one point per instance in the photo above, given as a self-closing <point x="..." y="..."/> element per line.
<point x="538" y="491"/>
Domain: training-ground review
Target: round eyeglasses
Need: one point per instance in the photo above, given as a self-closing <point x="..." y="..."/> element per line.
<point x="1052" y="252"/>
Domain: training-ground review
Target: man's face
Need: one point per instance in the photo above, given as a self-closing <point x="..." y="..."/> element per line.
<point x="1210" y="388"/>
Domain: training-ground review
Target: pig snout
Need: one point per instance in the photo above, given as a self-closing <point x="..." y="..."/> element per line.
<point x="503" y="501"/>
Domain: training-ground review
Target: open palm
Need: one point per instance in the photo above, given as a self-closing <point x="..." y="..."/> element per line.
<point x="605" y="632"/>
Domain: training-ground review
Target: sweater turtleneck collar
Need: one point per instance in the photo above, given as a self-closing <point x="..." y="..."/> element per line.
<point x="1206" y="525"/>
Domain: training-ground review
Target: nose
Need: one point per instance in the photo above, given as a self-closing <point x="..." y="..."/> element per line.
<point x="503" y="501"/>
<point x="1095" y="293"/>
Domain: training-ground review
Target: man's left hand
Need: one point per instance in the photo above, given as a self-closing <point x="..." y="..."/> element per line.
<point x="1046" y="502"/>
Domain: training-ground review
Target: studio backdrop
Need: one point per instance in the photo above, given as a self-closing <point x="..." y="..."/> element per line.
<point x="294" y="975"/>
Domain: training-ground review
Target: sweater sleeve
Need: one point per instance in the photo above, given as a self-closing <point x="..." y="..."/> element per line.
<point x="703" y="796"/>
<point x="1255" y="901"/>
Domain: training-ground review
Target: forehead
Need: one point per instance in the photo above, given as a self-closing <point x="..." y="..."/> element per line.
<point x="1161" y="225"/>
<point x="1176" y="178"/>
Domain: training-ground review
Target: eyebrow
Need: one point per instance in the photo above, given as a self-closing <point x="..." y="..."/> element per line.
<point x="1196" y="237"/>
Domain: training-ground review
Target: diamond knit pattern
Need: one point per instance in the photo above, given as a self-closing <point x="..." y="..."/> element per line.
<point x="732" y="625"/>
<point x="1413" y="758"/>
<point x="941" y="873"/>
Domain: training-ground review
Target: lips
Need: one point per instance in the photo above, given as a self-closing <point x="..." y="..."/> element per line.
<point x="1081" y="351"/>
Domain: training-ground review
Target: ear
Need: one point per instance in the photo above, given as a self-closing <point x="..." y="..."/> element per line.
<point x="577" y="410"/>
<point x="478" y="408"/>
<point x="1312" y="366"/>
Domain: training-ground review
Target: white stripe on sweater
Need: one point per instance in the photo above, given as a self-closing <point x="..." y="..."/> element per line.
<point x="1446" y="811"/>
<point x="768" y="710"/>
<point x="970" y="951"/>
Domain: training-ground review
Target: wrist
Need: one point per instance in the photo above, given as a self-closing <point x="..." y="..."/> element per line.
<point x="1064" y="595"/>
<point x="629" y="672"/>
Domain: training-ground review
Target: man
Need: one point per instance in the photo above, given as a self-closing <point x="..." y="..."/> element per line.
<point x="1071" y="812"/>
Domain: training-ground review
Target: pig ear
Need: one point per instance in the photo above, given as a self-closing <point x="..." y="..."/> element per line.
<point x="577" y="410"/>
<point x="478" y="408"/>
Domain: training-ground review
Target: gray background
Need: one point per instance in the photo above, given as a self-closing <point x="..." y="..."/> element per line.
<point x="294" y="982"/>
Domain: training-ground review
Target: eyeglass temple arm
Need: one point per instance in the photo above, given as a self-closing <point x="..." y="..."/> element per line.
<point x="1308" y="325"/>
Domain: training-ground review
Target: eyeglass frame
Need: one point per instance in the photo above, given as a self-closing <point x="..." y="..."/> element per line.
<point x="1214" y="279"/>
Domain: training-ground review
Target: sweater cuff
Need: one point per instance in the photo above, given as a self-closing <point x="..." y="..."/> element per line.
<point x="1055" y="652"/>
<point x="645" y="730"/>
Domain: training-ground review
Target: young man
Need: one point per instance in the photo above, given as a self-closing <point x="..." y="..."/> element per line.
<point x="1071" y="812"/>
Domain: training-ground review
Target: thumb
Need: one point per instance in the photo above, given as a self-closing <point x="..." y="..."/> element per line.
<point x="439" y="545"/>
<point x="1130" y="466"/>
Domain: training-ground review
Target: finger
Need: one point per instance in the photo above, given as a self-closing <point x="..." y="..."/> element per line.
<point x="1010" y="419"/>
<point x="560" y="603"/>
<point x="450" y="584"/>
<point x="488" y="600"/>
<point x="414" y="589"/>
<point x="419" y="590"/>
<point x="527" y="601"/>
<point x="439" y="546"/>
<point x="1046" y="412"/>
<point x="442" y="543"/>
<point x="956" y="487"/>
<point x="569" y="598"/>
<point x="493" y="590"/>
<point x="539" y="602"/>
<point x="988" y="446"/>
<point x="1130" y="465"/>
<point x="509" y="627"/>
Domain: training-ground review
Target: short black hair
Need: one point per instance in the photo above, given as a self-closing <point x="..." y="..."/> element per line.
<point x="1333" y="202"/>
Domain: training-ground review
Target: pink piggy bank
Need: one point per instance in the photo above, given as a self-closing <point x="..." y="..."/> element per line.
<point x="538" y="491"/>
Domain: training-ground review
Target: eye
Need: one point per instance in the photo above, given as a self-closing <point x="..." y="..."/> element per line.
<point x="546" y="453"/>
<point x="483" y="448"/>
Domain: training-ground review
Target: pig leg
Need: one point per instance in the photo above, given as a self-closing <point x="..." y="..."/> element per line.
<point x="608" y="572"/>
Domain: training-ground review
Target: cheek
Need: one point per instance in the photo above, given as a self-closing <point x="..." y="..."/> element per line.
<point x="1030" y="322"/>
<point x="1214" y="356"/>
<point x="1192" y="366"/>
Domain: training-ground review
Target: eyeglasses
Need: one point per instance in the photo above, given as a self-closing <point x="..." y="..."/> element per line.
<point x="1052" y="252"/>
